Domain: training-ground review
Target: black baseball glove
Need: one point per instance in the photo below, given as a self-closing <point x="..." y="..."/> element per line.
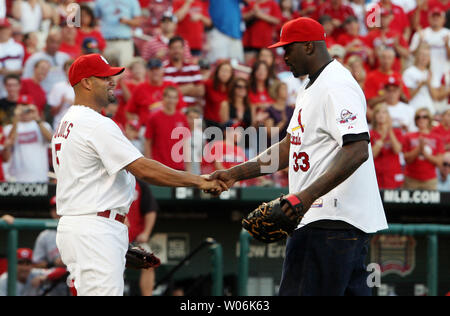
<point x="138" y="258"/>
<point x="270" y="223"/>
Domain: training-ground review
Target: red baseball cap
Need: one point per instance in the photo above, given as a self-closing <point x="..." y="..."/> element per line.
<point x="91" y="65"/>
<point x="135" y="124"/>
<point x="25" y="100"/>
<point x="300" y="30"/>
<point x="436" y="10"/>
<point x="4" y="22"/>
<point x="392" y="81"/>
<point x="24" y="254"/>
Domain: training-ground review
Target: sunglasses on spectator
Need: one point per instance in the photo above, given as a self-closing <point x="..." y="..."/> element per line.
<point x="446" y="164"/>
<point x="418" y="117"/>
<point x="239" y="86"/>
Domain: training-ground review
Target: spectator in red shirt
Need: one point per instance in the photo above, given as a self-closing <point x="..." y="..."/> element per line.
<point x="400" y="23"/>
<point x="163" y="142"/>
<point x="154" y="10"/>
<point x="136" y="75"/>
<point x="32" y="86"/>
<point x="185" y="74"/>
<point x="443" y="129"/>
<point x="383" y="36"/>
<point x="374" y="86"/>
<point x="88" y="28"/>
<point x="193" y="17"/>
<point x="259" y="86"/>
<point x="262" y="18"/>
<point x="69" y="44"/>
<point x="216" y="91"/>
<point x="158" y="46"/>
<point x="141" y="220"/>
<point x="147" y="97"/>
<point x="423" y="153"/>
<point x="354" y="43"/>
<point x="288" y="13"/>
<point x="338" y="12"/>
<point x="309" y="8"/>
<point x="420" y="15"/>
<point x="328" y="26"/>
<point x="386" y="147"/>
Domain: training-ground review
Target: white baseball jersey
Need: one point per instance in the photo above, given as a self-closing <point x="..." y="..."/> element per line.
<point x="89" y="154"/>
<point x="332" y="107"/>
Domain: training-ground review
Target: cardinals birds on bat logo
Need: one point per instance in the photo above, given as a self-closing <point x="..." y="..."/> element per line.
<point x="346" y="117"/>
<point x="299" y="119"/>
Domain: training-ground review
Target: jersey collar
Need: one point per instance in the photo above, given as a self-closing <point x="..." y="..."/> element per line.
<point x="315" y="75"/>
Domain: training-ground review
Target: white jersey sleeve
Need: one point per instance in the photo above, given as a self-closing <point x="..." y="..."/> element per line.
<point x="113" y="148"/>
<point x="345" y="113"/>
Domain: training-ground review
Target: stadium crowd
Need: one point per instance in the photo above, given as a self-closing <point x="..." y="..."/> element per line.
<point x="195" y="66"/>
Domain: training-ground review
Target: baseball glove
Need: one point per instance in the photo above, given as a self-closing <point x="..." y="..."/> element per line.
<point x="138" y="258"/>
<point x="269" y="223"/>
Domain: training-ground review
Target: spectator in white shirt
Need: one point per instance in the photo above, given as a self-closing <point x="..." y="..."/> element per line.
<point x="30" y="137"/>
<point x="11" y="54"/>
<point x="2" y="9"/>
<point x="437" y="37"/>
<point x="61" y="97"/>
<point x="52" y="55"/>
<point x="402" y="115"/>
<point x="417" y="79"/>
<point x="31" y="13"/>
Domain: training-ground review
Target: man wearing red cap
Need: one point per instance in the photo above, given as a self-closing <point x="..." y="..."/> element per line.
<point x="332" y="178"/>
<point x="94" y="165"/>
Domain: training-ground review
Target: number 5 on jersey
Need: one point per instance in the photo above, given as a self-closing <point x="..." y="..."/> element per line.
<point x="301" y="162"/>
<point x="57" y="149"/>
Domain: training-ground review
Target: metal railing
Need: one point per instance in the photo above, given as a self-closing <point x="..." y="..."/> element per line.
<point x="13" y="237"/>
<point x="430" y="230"/>
<point x="215" y="250"/>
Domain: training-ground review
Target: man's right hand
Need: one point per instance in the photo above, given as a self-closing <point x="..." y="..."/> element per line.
<point x="224" y="176"/>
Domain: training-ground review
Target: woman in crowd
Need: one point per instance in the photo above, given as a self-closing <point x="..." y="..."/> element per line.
<point x="386" y="147"/>
<point x="259" y="86"/>
<point x="443" y="129"/>
<point x="417" y="79"/>
<point x="216" y="91"/>
<point x="89" y="28"/>
<point x="279" y="113"/>
<point x="423" y="153"/>
<point x="236" y="110"/>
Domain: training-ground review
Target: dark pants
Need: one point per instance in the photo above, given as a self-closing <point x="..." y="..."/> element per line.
<point x="325" y="262"/>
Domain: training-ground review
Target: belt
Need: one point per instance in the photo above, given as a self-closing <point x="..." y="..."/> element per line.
<point x="107" y="214"/>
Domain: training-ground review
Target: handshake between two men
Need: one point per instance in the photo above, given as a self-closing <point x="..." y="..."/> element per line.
<point x="270" y="222"/>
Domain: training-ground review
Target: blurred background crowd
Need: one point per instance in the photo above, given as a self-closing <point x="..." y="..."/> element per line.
<point x="204" y="64"/>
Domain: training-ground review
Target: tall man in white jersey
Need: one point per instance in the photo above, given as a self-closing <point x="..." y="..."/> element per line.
<point x="94" y="164"/>
<point x="331" y="172"/>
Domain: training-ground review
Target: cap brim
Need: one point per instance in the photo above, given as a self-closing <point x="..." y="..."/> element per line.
<point x="113" y="71"/>
<point x="279" y="44"/>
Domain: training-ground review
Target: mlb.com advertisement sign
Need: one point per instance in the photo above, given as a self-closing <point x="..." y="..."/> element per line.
<point x="411" y="197"/>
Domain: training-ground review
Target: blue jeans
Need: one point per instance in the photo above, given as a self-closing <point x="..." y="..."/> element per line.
<point x="325" y="262"/>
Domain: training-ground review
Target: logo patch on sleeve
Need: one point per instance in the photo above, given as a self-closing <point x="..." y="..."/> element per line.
<point x="347" y="117"/>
